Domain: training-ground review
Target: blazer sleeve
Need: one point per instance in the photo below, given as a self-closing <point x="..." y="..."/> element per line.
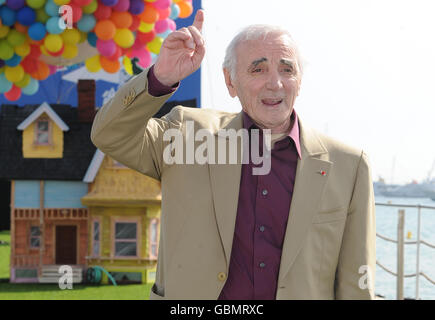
<point x="125" y="130"/>
<point x="355" y="277"/>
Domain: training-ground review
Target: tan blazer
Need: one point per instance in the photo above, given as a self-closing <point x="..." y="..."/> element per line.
<point x="330" y="235"/>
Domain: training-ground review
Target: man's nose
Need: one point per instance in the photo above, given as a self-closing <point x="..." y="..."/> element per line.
<point x="274" y="81"/>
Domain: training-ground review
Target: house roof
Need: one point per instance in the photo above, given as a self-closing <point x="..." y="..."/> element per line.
<point x="78" y="148"/>
<point x="44" y="107"/>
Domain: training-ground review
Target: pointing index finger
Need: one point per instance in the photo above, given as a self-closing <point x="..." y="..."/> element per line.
<point x="199" y="19"/>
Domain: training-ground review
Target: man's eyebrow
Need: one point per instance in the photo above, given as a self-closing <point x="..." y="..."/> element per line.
<point x="257" y="62"/>
<point x="287" y="62"/>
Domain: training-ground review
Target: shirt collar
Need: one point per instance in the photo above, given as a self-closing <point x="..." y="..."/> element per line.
<point x="293" y="134"/>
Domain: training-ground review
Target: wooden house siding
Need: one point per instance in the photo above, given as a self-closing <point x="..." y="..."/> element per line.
<point x="64" y="194"/>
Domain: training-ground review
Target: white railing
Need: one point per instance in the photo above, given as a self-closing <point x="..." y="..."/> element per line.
<point x="400" y="250"/>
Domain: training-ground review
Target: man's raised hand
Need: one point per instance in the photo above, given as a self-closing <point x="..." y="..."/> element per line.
<point x="181" y="53"/>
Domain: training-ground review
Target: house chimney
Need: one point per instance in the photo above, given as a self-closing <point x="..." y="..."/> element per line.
<point x="86" y="100"/>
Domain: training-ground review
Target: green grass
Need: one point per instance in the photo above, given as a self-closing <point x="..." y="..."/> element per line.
<point x="24" y="291"/>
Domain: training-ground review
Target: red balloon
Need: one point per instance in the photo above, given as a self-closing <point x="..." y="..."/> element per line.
<point x="76" y="12"/>
<point x="146" y="37"/>
<point x="35" y="52"/>
<point x="103" y="12"/>
<point x="135" y="23"/>
<point x="13" y="94"/>
<point x="29" y="64"/>
<point x="56" y="54"/>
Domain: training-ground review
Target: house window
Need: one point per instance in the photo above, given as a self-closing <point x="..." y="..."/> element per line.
<point x="126" y="239"/>
<point x="35" y="237"/>
<point x="96" y="238"/>
<point x="42" y="131"/>
<point x="154" y="236"/>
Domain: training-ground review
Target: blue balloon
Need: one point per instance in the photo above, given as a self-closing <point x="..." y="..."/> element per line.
<point x="175" y="11"/>
<point x="86" y="23"/>
<point x="26" y="16"/>
<point x="2" y="2"/>
<point x="2" y="63"/>
<point x="5" y="85"/>
<point x="7" y="16"/>
<point x="37" y="31"/>
<point x="136" y="6"/>
<point x="51" y="8"/>
<point x="92" y="39"/>
<point x="14" y="61"/>
<point x="15" y="4"/>
<point x="53" y="26"/>
<point x="31" y="88"/>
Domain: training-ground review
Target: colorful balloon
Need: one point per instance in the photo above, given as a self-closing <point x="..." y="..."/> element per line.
<point x="5" y="84"/>
<point x="93" y="64"/>
<point x="13" y="94"/>
<point x="14" y="74"/>
<point x="105" y="29"/>
<point x="31" y="88"/>
<point x="53" y="42"/>
<point x="86" y="23"/>
<point x="110" y="66"/>
<point x="124" y="38"/>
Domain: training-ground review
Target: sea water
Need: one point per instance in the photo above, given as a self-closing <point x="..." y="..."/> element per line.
<point x="386" y="252"/>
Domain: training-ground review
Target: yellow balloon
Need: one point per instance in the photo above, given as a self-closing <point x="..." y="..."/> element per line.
<point x="93" y="64"/>
<point x="23" y="82"/>
<point x="4" y="30"/>
<point x="53" y="42"/>
<point x="70" y="51"/>
<point x="145" y="27"/>
<point x="128" y="66"/>
<point x="14" y="74"/>
<point x="124" y="38"/>
<point x="61" y="2"/>
<point x="155" y="45"/>
<point x="70" y="36"/>
<point x="23" y="49"/>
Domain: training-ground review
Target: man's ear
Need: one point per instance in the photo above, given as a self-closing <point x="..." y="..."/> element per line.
<point x="231" y="89"/>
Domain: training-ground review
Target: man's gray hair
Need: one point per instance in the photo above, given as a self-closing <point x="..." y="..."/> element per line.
<point x="255" y="32"/>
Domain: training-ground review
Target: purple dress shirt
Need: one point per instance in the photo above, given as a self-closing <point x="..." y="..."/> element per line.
<point x="261" y="222"/>
<point x="262" y="214"/>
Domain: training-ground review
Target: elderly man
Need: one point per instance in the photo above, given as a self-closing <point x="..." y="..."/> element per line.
<point x="304" y="229"/>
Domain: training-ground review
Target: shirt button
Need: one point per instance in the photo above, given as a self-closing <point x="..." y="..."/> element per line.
<point x="222" y="276"/>
<point x="264" y="192"/>
<point x="262" y="228"/>
<point x="262" y="264"/>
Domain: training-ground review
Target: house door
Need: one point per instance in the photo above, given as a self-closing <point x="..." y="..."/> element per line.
<point x="66" y="245"/>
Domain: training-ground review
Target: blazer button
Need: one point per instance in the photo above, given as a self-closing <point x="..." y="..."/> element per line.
<point x="222" y="276"/>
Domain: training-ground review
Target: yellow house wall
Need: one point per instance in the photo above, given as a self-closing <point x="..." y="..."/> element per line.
<point x="31" y="150"/>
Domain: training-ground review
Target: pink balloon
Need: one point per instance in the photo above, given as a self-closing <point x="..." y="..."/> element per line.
<point x="122" y="5"/>
<point x="52" y="69"/>
<point x="144" y="57"/>
<point x="161" y="26"/>
<point x="162" y="4"/>
<point x="172" y="24"/>
<point x="106" y="48"/>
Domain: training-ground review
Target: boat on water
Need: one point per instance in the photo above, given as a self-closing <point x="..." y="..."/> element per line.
<point x="411" y="190"/>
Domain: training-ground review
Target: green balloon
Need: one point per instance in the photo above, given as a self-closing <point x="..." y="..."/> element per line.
<point x="6" y="51"/>
<point x="35" y="4"/>
<point x="16" y="38"/>
<point x="41" y="15"/>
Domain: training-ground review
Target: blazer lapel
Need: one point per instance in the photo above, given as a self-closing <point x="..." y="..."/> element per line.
<point x="225" y="184"/>
<point x="307" y="192"/>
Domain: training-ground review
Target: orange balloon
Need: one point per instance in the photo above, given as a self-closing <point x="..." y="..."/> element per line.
<point x="105" y="29"/>
<point x="150" y="14"/>
<point x="186" y="9"/>
<point x="42" y="72"/>
<point x="20" y="28"/>
<point x="110" y="66"/>
<point x="121" y="19"/>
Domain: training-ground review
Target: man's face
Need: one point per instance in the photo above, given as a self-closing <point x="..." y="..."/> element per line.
<point x="267" y="81"/>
